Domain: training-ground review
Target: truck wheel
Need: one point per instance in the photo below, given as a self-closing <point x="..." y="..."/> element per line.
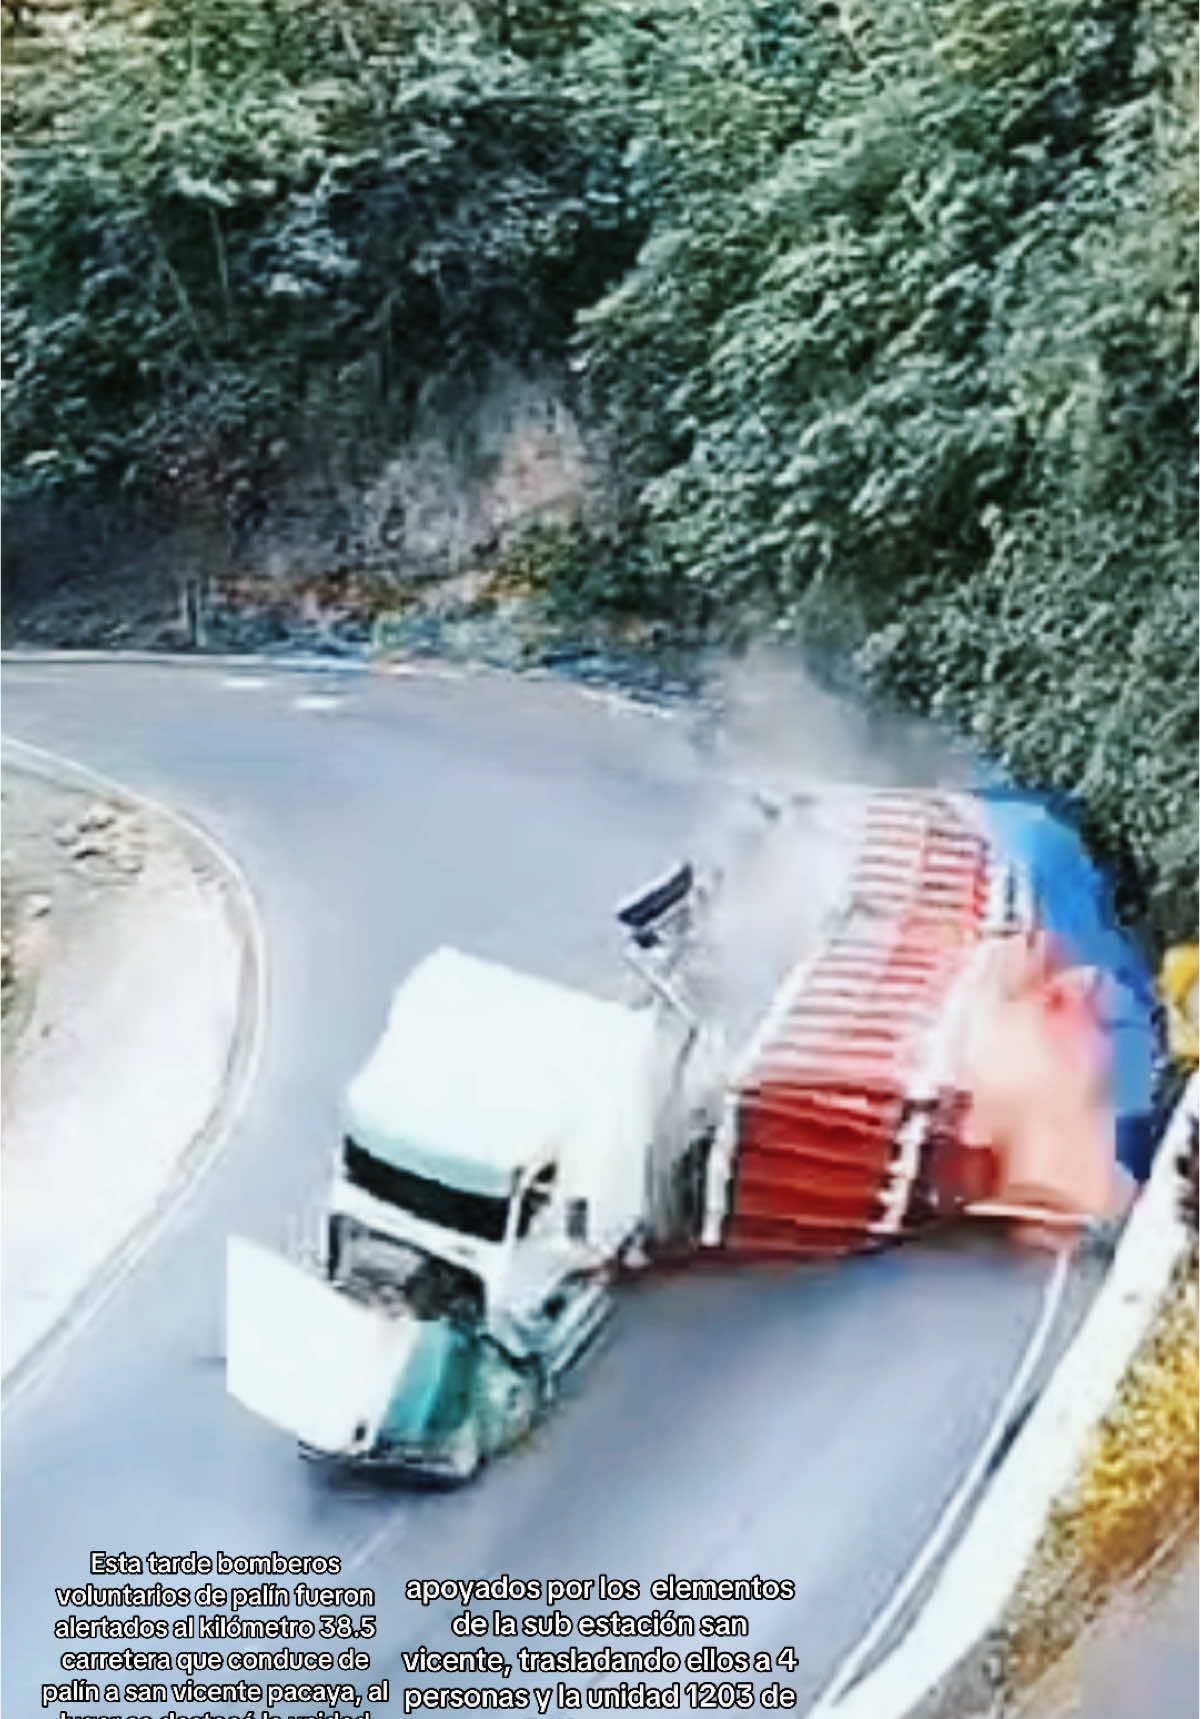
<point x="522" y="1401"/>
<point x="632" y="1256"/>
<point x="465" y="1453"/>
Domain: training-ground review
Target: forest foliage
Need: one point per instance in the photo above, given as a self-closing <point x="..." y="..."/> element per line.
<point x="883" y="311"/>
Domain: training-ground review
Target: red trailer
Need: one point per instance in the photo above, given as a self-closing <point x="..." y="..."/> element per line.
<point x="857" y="1114"/>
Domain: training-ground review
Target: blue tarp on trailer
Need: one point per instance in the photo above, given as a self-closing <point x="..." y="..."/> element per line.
<point x="1074" y="903"/>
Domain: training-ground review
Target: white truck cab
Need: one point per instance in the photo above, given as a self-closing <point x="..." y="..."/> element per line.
<point x="501" y="1148"/>
<point x="502" y="1123"/>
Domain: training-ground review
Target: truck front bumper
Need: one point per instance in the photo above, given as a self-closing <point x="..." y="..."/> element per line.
<point x="387" y="1459"/>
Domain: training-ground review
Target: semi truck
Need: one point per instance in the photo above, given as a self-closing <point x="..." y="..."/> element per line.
<point x="509" y="1145"/>
<point x="512" y="1145"/>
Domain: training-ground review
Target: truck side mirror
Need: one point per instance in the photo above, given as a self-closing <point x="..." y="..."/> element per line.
<point x="536" y="1196"/>
<point x="643" y="912"/>
<point x="577" y="1219"/>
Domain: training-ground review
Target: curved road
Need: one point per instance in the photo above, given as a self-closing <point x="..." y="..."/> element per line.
<point x="802" y="1423"/>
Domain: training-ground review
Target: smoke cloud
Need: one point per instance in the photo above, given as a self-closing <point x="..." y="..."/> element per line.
<point x="788" y="762"/>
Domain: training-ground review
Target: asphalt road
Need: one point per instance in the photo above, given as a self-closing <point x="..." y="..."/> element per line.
<point x="808" y="1423"/>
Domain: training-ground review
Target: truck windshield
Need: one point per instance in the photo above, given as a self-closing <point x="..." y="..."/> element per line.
<point x="480" y="1215"/>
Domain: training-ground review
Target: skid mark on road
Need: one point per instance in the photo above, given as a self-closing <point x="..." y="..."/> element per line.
<point x="391" y="1529"/>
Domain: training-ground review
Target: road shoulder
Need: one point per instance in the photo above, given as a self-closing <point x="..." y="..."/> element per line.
<point x="1138" y="1656"/>
<point x="954" y="1660"/>
<point x="127" y="1068"/>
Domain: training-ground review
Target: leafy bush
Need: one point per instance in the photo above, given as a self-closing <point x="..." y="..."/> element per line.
<point x="919" y="364"/>
<point x="232" y="220"/>
<point x="1070" y="659"/>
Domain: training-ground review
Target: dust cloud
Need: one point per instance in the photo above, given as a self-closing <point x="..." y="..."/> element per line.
<point x="787" y="762"/>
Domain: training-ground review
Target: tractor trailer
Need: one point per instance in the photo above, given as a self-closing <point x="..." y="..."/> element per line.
<point x="512" y="1144"/>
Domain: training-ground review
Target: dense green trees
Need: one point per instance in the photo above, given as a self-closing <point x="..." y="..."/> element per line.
<point x="224" y="221"/>
<point x="909" y="358"/>
<point x="885" y="313"/>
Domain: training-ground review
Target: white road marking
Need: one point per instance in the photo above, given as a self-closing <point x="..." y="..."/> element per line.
<point x="373" y="1542"/>
<point x="243" y="683"/>
<point x="318" y="701"/>
<point x="983" y="1570"/>
<point x="851" y="1665"/>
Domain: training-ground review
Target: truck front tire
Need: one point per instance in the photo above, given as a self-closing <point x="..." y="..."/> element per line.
<point x="465" y="1452"/>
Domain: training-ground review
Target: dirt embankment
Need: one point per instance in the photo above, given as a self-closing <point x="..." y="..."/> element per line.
<point x="68" y="858"/>
<point x="413" y="542"/>
<point x="122" y="997"/>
